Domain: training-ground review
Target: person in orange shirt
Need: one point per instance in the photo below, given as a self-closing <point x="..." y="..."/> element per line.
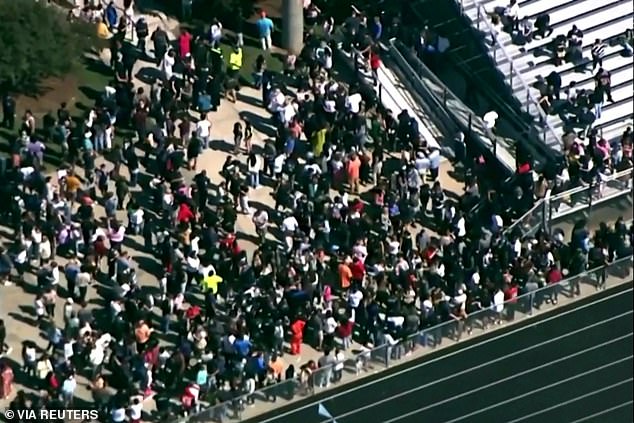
<point x="277" y="367"/>
<point x="72" y="186"/>
<point x="345" y="274"/>
<point x="353" y="168"/>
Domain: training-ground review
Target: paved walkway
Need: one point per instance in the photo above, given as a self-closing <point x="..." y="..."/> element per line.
<point x="16" y="302"/>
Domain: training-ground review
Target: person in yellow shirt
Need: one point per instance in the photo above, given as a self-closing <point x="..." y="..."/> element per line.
<point x="318" y="141"/>
<point x="235" y="61"/>
<point x="102" y="30"/>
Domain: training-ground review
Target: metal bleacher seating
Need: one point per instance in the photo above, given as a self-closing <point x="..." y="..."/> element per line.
<point x="606" y="20"/>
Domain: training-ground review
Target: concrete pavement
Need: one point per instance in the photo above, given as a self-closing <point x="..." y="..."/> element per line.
<point x="16" y="301"/>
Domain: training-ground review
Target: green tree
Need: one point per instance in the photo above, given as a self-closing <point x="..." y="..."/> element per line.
<point x="38" y="41"/>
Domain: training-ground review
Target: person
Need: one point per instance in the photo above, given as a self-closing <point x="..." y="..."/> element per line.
<point x="6" y="380"/>
<point x="8" y="111"/>
<point x="512" y="14"/>
<point x="553" y="80"/>
<point x="297" y="335"/>
<point x="194" y="148"/>
<point x="602" y="80"/>
<point x="238" y="135"/>
<point x="375" y="64"/>
<point x="235" y="62"/>
<point x="543" y="29"/>
<point x="575" y="44"/>
<point x="248" y="135"/>
<point x="160" y="41"/>
<point x="258" y="71"/>
<point x="215" y="33"/>
<point x="559" y="50"/>
<point x="253" y="164"/>
<point x="598" y="52"/>
<point x="265" y="28"/>
<point x="627" y="42"/>
<point x="111" y="16"/>
<point x="142" y="32"/>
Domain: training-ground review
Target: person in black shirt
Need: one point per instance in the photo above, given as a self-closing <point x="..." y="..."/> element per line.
<point x="161" y="43"/>
<point x="142" y="33"/>
<point x="8" y="111"/>
<point x="194" y="149"/>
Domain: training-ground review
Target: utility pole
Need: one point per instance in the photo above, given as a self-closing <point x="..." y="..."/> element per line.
<point x="293" y="25"/>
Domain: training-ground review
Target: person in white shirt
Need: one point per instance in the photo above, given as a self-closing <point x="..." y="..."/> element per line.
<point x="167" y="65"/>
<point x="289" y="224"/>
<point x="192" y="267"/>
<point x="355" y="297"/>
<point x="118" y="415"/>
<point x="512" y="13"/>
<point x="215" y="33"/>
<point x="498" y="305"/>
<point x="340" y="358"/>
<point x="203" y="130"/>
<point x="278" y="165"/>
<point x="136" y="410"/>
<point x="353" y="103"/>
<point x="254" y="165"/>
<point x="330" y="326"/>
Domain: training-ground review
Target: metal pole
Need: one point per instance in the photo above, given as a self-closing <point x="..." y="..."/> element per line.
<point x="511" y="76"/>
<point x="528" y="98"/>
<point x="293" y="27"/>
<point x="479" y="15"/>
<point x="469" y="125"/>
<point x="592" y="184"/>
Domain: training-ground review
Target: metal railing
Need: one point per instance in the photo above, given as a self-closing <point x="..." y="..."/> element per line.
<point x="585" y="197"/>
<point x="448" y="107"/>
<point x="554" y="207"/>
<point x="547" y="133"/>
<point x="308" y="384"/>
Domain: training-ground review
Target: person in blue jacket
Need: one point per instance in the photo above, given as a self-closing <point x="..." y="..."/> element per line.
<point x="111" y="16"/>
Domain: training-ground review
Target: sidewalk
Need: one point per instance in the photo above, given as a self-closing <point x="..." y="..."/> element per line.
<point x="16" y="302"/>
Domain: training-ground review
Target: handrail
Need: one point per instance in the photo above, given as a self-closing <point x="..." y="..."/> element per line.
<point x="434" y="90"/>
<point x="428" y="338"/>
<point x="513" y="73"/>
<point x="547" y="210"/>
<point x="614" y="177"/>
<point x="528" y="220"/>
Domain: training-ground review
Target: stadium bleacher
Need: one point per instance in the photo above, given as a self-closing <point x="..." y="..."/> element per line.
<point x="606" y="20"/>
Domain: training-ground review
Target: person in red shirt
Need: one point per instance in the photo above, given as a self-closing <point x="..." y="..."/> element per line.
<point x="553" y="277"/>
<point x="375" y="64"/>
<point x="510" y="296"/>
<point x="185" y="213"/>
<point x="358" y="271"/>
<point x="297" y="336"/>
<point x="184" y="43"/>
<point x="345" y="332"/>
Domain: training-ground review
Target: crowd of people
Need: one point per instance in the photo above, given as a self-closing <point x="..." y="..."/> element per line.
<point x="588" y="157"/>
<point x="362" y="243"/>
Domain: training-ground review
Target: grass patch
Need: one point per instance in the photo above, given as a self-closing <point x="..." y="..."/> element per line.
<point x="249" y="55"/>
<point x="78" y="90"/>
